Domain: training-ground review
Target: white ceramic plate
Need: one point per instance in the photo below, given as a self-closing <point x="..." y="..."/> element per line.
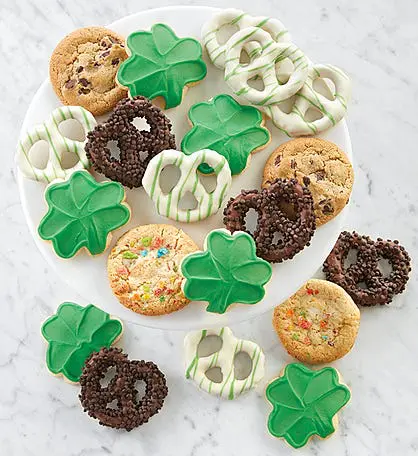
<point x="88" y="275"/>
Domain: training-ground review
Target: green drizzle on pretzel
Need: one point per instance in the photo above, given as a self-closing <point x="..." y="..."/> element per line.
<point x="161" y="64"/>
<point x="227" y="127"/>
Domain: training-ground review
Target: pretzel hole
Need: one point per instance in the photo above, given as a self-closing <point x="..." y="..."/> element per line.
<point x="69" y="159"/>
<point x="209" y="181"/>
<point x="325" y="87"/>
<point x="256" y="83"/>
<point x="351" y="258"/>
<point x="209" y="345"/>
<point x="141" y="124"/>
<point x="39" y="154"/>
<point x="188" y="202"/>
<point x="108" y="377"/>
<point x="113" y="405"/>
<point x="284" y="69"/>
<point x="72" y="129"/>
<point x="114" y="149"/>
<point x="141" y="389"/>
<point x="214" y="374"/>
<point x="289" y="210"/>
<point x="362" y="285"/>
<point x="313" y="114"/>
<point x="385" y="267"/>
<point x="287" y="105"/>
<point x="244" y="58"/>
<point x="225" y="32"/>
<point x="278" y="239"/>
<point x="250" y="220"/>
<point x="169" y="177"/>
<point x="243" y="365"/>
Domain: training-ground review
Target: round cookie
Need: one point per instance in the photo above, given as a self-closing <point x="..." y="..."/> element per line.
<point x="322" y="166"/>
<point x="144" y="268"/>
<point x="318" y="324"/>
<point x="83" y="68"/>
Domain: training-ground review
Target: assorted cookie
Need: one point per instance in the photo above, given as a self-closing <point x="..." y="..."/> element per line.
<point x="364" y="280"/>
<point x="228" y="271"/>
<point x="322" y="166"/>
<point x="211" y="359"/>
<point x="285" y="222"/>
<point x="231" y="129"/>
<point x="305" y="403"/>
<point x="144" y="269"/>
<point x="169" y="203"/>
<point x="82" y="213"/>
<point x="83" y="68"/>
<point x="318" y="324"/>
<point x="161" y="65"/>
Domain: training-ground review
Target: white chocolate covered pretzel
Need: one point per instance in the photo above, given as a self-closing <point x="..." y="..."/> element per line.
<point x="234" y="17"/>
<point x="331" y="111"/>
<point x="58" y="145"/>
<point x="168" y="204"/>
<point x="266" y="64"/>
<point x="230" y="387"/>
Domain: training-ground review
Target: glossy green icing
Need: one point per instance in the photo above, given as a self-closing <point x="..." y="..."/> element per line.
<point x="73" y="334"/>
<point x="161" y="64"/>
<point x="227" y="127"/>
<point x="82" y="213"/>
<point x="227" y="272"/>
<point x="304" y="403"/>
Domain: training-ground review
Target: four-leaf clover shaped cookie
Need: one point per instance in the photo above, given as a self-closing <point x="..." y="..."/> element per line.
<point x="227" y="127"/>
<point x="227" y="272"/>
<point x="82" y="213"/>
<point x="73" y="334"/>
<point x="161" y="64"/>
<point x="305" y="403"/>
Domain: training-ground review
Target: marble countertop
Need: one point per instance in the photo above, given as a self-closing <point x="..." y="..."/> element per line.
<point x="375" y="41"/>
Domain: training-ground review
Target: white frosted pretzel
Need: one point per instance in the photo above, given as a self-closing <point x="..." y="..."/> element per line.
<point x="208" y="203"/>
<point x="230" y="386"/>
<point x="238" y="18"/>
<point x="58" y="145"/>
<point x="265" y="65"/>
<point x="331" y="111"/>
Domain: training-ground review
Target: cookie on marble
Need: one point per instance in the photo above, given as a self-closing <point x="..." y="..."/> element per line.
<point x="83" y="69"/>
<point x="319" y="323"/>
<point x="319" y="164"/>
<point x="144" y="269"/>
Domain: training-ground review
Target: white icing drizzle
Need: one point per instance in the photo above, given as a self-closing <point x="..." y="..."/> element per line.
<point x="230" y="387"/>
<point x="208" y="203"/>
<point x="58" y="145"/>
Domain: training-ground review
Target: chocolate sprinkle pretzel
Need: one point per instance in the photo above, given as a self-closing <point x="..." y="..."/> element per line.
<point x="363" y="280"/>
<point x="129" y="413"/>
<point x="285" y="210"/>
<point x="137" y="147"/>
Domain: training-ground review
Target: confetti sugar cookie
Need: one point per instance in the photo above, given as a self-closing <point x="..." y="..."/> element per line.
<point x="161" y="65"/>
<point x="231" y="129"/>
<point x="73" y="334"/>
<point x="319" y="323"/>
<point x="60" y="147"/>
<point x="305" y="403"/>
<point x="228" y="379"/>
<point x="144" y="269"/>
<point x="83" y="67"/>
<point x="82" y="213"/>
<point x="169" y="204"/>
<point x="228" y="271"/>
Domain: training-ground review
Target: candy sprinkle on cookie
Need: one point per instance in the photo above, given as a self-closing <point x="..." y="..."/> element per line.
<point x="144" y="269"/>
<point x="318" y="324"/>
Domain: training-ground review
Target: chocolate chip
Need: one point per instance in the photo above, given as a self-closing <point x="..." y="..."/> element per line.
<point x="306" y="181"/>
<point x="83" y="91"/>
<point x="327" y="209"/>
<point x="84" y="82"/>
<point x="320" y="175"/>
<point x="278" y="160"/>
<point x="105" y="54"/>
<point x="103" y="44"/>
<point x="80" y="69"/>
<point x="293" y="164"/>
<point x="96" y="64"/>
<point x="115" y="62"/>
<point x="70" y="84"/>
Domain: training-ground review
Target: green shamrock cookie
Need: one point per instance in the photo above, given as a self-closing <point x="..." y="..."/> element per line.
<point x="227" y="272"/>
<point x="225" y="126"/>
<point x="161" y="64"/>
<point x="82" y="213"/>
<point x="304" y="403"/>
<point x="73" y="334"/>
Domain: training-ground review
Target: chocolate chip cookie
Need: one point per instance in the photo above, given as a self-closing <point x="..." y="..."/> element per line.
<point x="83" y="69"/>
<point x="319" y="164"/>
